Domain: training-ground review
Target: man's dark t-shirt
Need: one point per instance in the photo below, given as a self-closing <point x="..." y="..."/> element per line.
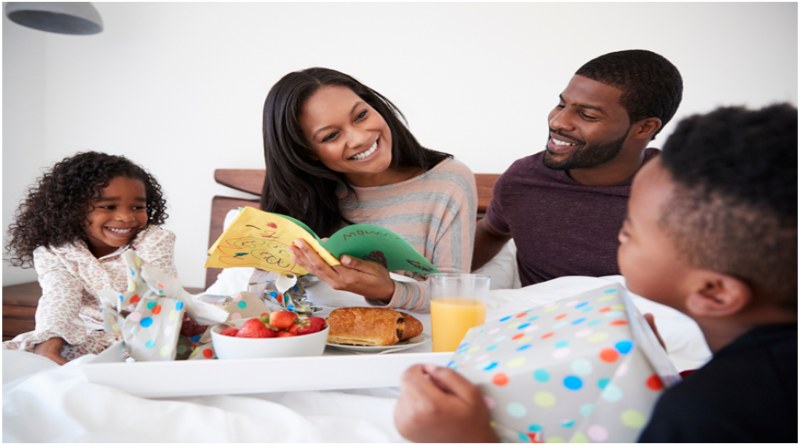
<point x="560" y="227"/>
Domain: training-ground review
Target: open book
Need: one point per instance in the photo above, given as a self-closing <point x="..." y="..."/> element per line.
<point x="261" y="239"/>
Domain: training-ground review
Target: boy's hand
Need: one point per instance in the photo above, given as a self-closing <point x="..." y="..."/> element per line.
<point x="366" y="278"/>
<point x="51" y="349"/>
<point x="439" y="405"/>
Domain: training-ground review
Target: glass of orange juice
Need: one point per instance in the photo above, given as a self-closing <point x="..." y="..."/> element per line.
<point x="458" y="303"/>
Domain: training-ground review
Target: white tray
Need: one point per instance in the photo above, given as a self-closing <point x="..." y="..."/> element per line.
<point x="211" y="377"/>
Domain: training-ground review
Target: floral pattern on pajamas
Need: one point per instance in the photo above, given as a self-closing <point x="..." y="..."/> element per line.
<point x="71" y="278"/>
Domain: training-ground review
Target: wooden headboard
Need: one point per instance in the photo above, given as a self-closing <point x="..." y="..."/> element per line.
<point x="252" y="180"/>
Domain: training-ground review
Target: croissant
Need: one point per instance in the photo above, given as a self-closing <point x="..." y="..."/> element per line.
<point x="371" y="326"/>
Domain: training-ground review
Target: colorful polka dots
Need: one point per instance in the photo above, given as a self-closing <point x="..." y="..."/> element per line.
<point x="574" y="367"/>
<point x="489" y="366"/>
<point x="541" y="375"/>
<point x="516" y="410"/>
<point x="654" y="383"/>
<point x="609" y="355"/>
<point x="623" y="346"/>
<point x="633" y="418"/>
<point x="516" y="362"/>
<point x="500" y="379"/>
<point x="573" y="382"/>
<point x="544" y="399"/>
<point x="597" y="433"/>
<point x="612" y="393"/>
<point x="581" y="367"/>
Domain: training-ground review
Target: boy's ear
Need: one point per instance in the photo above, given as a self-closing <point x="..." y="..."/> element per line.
<point x="716" y="294"/>
<point x="647" y="128"/>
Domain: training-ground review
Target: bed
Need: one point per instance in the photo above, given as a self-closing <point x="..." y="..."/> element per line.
<point x="43" y="402"/>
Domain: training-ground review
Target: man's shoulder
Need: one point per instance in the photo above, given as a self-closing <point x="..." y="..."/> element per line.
<point x="527" y="167"/>
<point x="534" y="160"/>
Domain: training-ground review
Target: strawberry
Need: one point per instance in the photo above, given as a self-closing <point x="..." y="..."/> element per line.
<point x="308" y="326"/>
<point x="255" y="328"/>
<point x="286" y="334"/>
<point x="230" y="332"/>
<point x="282" y="319"/>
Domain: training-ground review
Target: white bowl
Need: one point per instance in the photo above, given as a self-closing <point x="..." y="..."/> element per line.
<point x="227" y="347"/>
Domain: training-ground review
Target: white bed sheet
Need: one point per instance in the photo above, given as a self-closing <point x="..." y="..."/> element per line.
<point x="43" y="402"/>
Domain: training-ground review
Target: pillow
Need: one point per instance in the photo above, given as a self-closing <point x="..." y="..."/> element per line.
<point x="502" y="269"/>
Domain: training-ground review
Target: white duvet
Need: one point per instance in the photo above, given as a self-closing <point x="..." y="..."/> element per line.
<point x="43" y="402"/>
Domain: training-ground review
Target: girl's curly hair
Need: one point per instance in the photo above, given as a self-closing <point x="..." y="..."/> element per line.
<point x="54" y="211"/>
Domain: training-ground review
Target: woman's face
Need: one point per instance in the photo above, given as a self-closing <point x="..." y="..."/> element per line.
<point x="347" y="135"/>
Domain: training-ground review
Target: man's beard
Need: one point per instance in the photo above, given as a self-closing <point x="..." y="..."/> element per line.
<point x="587" y="156"/>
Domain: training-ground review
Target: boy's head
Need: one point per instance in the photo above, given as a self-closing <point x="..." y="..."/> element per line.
<point x="714" y="218"/>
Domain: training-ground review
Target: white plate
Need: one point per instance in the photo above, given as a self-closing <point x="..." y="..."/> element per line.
<point x="413" y="342"/>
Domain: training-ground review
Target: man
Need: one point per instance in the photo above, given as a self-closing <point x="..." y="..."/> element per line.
<point x="711" y="231"/>
<point x="563" y="207"/>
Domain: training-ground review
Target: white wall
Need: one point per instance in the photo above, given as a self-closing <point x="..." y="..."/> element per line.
<point x="179" y="87"/>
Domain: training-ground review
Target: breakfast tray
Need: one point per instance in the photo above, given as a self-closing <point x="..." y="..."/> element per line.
<point x="213" y="377"/>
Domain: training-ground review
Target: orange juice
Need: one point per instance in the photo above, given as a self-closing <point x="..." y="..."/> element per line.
<point x="451" y="318"/>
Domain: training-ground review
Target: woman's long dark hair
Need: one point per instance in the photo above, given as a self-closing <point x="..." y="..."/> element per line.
<point x="298" y="185"/>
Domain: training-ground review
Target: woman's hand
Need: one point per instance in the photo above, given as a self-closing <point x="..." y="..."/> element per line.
<point x="439" y="405"/>
<point x="366" y="278"/>
<point x="51" y="349"/>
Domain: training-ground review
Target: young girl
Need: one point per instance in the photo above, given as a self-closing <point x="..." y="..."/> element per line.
<point x="72" y="227"/>
<point x="337" y="153"/>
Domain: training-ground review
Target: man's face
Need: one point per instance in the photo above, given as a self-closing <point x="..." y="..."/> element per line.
<point x="588" y="127"/>
<point x="647" y="256"/>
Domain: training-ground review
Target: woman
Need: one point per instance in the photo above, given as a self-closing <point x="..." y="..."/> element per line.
<point x="337" y="153"/>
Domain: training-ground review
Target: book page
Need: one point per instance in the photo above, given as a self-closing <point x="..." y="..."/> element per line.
<point x="376" y="243"/>
<point x="261" y="239"/>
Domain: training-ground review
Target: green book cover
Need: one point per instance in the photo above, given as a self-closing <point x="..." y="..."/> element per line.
<point x="261" y="239"/>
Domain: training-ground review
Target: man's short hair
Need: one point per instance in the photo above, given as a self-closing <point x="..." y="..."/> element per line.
<point x="651" y="85"/>
<point x="734" y="209"/>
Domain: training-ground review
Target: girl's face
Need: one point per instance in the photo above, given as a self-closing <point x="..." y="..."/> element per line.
<point x="348" y="136"/>
<point x="119" y="213"/>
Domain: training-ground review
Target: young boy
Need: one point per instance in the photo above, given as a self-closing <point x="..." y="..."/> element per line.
<point x="712" y="232"/>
